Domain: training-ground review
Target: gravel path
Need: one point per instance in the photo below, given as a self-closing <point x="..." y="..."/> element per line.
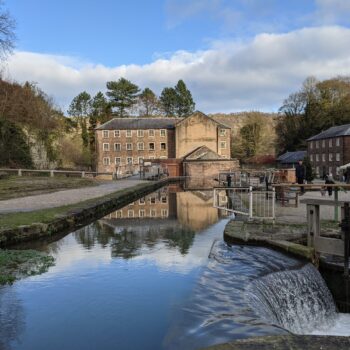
<point x="64" y="197"/>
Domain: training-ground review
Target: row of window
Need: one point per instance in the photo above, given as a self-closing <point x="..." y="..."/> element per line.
<point x="142" y="213"/>
<point x="129" y="146"/>
<point x="330" y="170"/>
<point x="330" y="157"/>
<point x="127" y="160"/>
<point x="152" y="200"/>
<point x="129" y="133"/>
<point x="331" y="142"/>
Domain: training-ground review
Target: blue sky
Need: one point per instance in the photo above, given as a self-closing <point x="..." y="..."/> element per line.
<point x="234" y="55"/>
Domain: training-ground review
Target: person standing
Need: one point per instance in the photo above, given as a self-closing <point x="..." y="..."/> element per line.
<point x="300" y="173"/>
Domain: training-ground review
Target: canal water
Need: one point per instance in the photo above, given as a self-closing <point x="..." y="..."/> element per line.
<point x="157" y="275"/>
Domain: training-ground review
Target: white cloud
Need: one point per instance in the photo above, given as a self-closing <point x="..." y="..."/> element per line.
<point x="332" y="11"/>
<point x="231" y="76"/>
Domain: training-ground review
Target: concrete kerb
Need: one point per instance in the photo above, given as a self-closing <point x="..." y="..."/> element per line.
<point x="80" y="216"/>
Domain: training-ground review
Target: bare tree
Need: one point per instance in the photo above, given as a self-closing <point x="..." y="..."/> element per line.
<point x="7" y="32"/>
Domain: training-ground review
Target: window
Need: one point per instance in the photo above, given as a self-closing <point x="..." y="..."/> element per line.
<point x="223" y="144"/>
<point x="162" y="132"/>
<point x="330" y="170"/>
<point x="151" y="146"/>
<point x="105" y="133"/>
<point x="129" y="146"/>
<point x="222" y="132"/>
<point x="330" y="157"/>
<point x="142" y="201"/>
<point x="164" y="213"/>
<point x="316" y="144"/>
<point x="106" y="146"/>
<point x="330" y="143"/>
<point x="116" y="133"/>
<point x="117" y="147"/>
<point x="153" y="213"/>
<point x="317" y="159"/>
<point x="151" y="133"/>
<point x="140" y="160"/>
<point x="106" y="161"/>
<point x="323" y="144"/>
<point x="129" y="160"/>
<point x="337" y="157"/>
<point x="318" y="170"/>
<point x="117" y="161"/>
<point x="311" y="157"/>
<point x="163" y="146"/>
<point x="140" y="146"/>
<point x="141" y="213"/>
<point x="323" y="157"/>
<point x="164" y="199"/>
<point x="139" y="133"/>
<point x="311" y="145"/>
<point x="130" y="213"/>
<point x="128" y="133"/>
<point x="119" y="214"/>
<point x="338" y="141"/>
<point x="153" y="200"/>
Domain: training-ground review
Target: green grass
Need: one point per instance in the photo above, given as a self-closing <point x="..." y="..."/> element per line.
<point x="16" y="264"/>
<point x="21" y="186"/>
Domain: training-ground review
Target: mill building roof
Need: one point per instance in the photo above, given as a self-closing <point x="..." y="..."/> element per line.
<point x="334" y="131"/>
<point x="138" y="123"/>
<point x="291" y="157"/>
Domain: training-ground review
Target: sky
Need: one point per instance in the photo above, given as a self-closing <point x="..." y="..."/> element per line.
<point x="234" y="55"/>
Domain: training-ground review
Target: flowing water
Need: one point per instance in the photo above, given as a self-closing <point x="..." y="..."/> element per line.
<point x="157" y="275"/>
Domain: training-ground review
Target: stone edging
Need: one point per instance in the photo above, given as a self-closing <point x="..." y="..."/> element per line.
<point x="81" y="215"/>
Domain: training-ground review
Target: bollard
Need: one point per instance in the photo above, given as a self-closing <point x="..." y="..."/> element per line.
<point x="345" y="226"/>
<point x="83" y="174"/>
<point x="51" y="173"/>
<point x="19" y="172"/>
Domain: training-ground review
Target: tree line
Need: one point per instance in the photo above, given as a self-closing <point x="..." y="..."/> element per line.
<point x="317" y="106"/>
<point x="124" y="98"/>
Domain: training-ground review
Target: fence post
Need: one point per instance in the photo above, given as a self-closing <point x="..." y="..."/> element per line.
<point x="51" y="173"/>
<point x="19" y="172"/>
<point x="250" y="203"/>
<point x="83" y="174"/>
<point x="336" y="204"/>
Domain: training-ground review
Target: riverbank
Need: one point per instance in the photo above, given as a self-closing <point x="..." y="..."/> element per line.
<point x="25" y="226"/>
<point x="23" y="186"/>
<point x="15" y="264"/>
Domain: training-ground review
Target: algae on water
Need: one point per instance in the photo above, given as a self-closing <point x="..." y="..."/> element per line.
<point x="16" y="264"/>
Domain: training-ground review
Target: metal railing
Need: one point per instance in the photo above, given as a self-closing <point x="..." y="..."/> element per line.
<point x="246" y="201"/>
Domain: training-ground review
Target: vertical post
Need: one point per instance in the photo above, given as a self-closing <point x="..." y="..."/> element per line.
<point x="250" y="202"/>
<point x="345" y="225"/>
<point x="83" y="174"/>
<point x="51" y="173"/>
<point x="273" y="202"/>
<point x="19" y="172"/>
<point x="336" y="204"/>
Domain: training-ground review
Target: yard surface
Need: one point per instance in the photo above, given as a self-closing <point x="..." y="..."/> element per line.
<point x="22" y="186"/>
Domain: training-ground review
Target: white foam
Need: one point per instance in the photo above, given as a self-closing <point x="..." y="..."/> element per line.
<point x="341" y="327"/>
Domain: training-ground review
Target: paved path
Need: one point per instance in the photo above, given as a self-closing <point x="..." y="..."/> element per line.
<point x="64" y="197"/>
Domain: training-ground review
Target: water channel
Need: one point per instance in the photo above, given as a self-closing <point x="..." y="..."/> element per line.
<point x="158" y="275"/>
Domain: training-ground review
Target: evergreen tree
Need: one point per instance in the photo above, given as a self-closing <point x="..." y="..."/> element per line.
<point x="309" y="175"/>
<point x="80" y="105"/>
<point x="184" y="102"/>
<point x="168" y="101"/>
<point x="122" y="95"/>
<point x="14" y="150"/>
<point x="148" y="102"/>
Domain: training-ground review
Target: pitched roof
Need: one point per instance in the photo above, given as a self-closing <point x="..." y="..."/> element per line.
<point x="334" y="131"/>
<point x="202" y="152"/>
<point x="138" y="123"/>
<point x="291" y="157"/>
<point x="206" y="116"/>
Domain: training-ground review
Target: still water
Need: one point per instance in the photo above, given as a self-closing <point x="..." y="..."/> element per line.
<point x="154" y="275"/>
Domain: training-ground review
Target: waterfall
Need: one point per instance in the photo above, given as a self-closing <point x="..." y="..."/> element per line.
<point x="297" y="300"/>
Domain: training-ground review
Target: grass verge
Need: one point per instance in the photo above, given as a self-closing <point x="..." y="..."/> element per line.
<point x="22" y="186"/>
